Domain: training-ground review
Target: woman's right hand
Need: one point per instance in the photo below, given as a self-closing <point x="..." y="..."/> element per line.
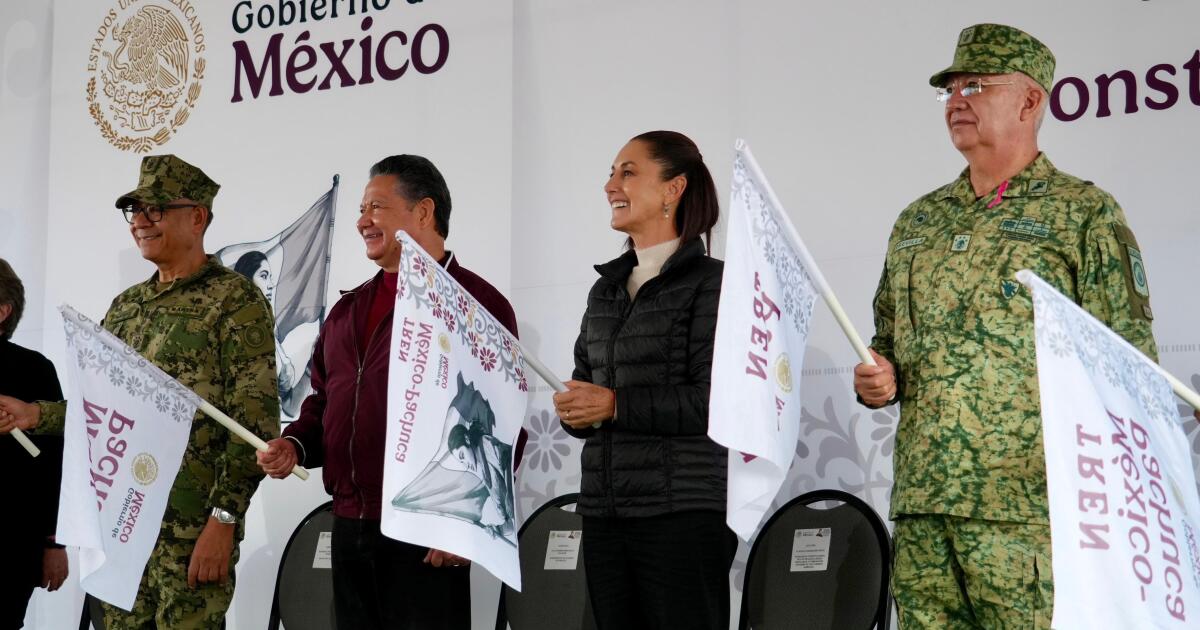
<point x="584" y="405"/>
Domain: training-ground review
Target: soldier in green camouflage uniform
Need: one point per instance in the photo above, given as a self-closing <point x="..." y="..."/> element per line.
<point x="210" y="328"/>
<point x="954" y="340"/>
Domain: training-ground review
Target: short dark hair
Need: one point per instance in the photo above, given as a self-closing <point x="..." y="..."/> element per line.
<point x="463" y="437"/>
<point x="417" y="179"/>
<point x="249" y="262"/>
<point x="12" y="292"/>
<point x="698" y="209"/>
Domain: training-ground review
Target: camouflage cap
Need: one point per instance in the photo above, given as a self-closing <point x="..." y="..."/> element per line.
<point x="165" y="178"/>
<point x="999" y="49"/>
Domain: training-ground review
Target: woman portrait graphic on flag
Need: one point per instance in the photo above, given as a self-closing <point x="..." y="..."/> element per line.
<point x="471" y="477"/>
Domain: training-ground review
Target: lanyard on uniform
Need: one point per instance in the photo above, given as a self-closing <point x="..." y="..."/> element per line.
<point x="999" y="195"/>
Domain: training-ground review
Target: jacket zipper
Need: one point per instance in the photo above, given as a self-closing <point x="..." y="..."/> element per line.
<point x="612" y="378"/>
<point x="362" y="503"/>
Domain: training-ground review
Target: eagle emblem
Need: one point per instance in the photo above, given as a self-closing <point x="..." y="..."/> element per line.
<point x="148" y="76"/>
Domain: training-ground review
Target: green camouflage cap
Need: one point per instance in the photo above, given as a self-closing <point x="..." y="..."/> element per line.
<point x="999" y="49"/>
<point x="165" y="178"/>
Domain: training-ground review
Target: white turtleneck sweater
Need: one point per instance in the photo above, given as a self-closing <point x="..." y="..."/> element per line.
<point x="650" y="262"/>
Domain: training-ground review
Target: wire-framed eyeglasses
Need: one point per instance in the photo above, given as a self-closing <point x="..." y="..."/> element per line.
<point x="967" y="88"/>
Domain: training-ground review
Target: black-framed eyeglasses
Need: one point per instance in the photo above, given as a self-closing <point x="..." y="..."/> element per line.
<point x="966" y="89"/>
<point x="153" y="214"/>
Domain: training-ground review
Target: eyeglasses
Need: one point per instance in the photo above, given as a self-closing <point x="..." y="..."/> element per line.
<point x="969" y="87"/>
<point x="153" y="214"/>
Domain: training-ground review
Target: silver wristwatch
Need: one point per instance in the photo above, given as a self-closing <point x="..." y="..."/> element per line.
<point x="223" y="517"/>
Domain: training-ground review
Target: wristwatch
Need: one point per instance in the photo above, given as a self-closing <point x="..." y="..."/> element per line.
<point x="223" y="517"/>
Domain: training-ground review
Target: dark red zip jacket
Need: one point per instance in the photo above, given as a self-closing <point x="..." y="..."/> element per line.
<point x="342" y="424"/>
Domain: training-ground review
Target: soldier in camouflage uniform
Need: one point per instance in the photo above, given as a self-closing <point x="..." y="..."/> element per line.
<point x="955" y="345"/>
<point x="210" y="328"/>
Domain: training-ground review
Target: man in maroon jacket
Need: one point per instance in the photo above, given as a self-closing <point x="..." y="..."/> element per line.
<point x="379" y="582"/>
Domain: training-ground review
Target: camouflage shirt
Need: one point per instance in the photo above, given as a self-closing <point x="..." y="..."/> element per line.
<point x="959" y="328"/>
<point x="213" y="332"/>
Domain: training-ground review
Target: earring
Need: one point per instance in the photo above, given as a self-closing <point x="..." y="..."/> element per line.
<point x="666" y="211"/>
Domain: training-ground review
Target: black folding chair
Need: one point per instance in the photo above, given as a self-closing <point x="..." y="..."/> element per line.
<point x="93" y="614"/>
<point x="786" y="591"/>
<point x="555" y="599"/>
<point x="304" y="595"/>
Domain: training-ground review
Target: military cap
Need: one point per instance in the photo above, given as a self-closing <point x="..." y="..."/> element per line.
<point x="165" y="178"/>
<point x="999" y="49"/>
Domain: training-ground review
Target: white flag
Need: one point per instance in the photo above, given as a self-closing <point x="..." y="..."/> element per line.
<point x="456" y="398"/>
<point x="767" y="298"/>
<point x="1124" y="509"/>
<point x="127" y="427"/>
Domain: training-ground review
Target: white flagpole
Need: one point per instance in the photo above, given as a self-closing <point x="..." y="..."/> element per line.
<point x="1183" y="391"/>
<point x="541" y="370"/>
<point x="243" y="432"/>
<point x="811" y="265"/>
<point x="546" y="374"/>
<point x="25" y="443"/>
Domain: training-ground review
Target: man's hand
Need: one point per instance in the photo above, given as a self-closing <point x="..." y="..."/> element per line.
<point x="210" y="558"/>
<point x="585" y="404"/>
<point x="54" y="568"/>
<point x="279" y="459"/>
<point x="17" y="414"/>
<point x="875" y="384"/>
<point x="445" y="559"/>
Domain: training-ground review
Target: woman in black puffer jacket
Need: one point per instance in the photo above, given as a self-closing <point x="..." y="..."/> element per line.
<point x="655" y="545"/>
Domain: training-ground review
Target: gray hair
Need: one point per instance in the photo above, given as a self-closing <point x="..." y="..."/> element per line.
<point x="1040" y="116"/>
<point x="12" y="293"/>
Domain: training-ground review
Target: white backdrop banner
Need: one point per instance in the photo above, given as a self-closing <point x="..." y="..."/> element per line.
<point x="292" y="270"/>
<point x="456" y="397"/>
<point x="127" y="427"/>
<point x="1124" y="512"/>
<point x="270" y="98"/>
<point x="527" y="84"/>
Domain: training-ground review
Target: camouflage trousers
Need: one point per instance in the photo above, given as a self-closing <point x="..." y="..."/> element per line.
<point x="166" y="602"/>
<point x="954" y="572"/>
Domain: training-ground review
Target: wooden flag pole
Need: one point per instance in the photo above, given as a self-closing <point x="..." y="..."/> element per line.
<point x="243" y="432"/>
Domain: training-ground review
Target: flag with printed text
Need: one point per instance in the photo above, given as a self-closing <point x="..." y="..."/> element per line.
<point x="1124" y="508"/>
<point x="127" y="427"/>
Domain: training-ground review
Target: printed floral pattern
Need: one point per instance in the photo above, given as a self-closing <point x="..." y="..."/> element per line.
<point x="799" y="292"/>
<point x="432" y="289"/>
<point x="97" y="350"/>
<point x="547" y="447"/>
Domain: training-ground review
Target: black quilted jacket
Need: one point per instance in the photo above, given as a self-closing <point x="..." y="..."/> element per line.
<point x="656" y="353"/>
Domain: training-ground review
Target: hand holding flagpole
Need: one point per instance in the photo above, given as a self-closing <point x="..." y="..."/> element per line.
<point x="16" y="432"/>
<point x="244" y="433"/>
<point x="544" y="372"/>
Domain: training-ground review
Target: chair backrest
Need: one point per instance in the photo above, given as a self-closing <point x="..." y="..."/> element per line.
<point x="785" y="584"/>
<point x="555" y="598"/>
<point x="92" y="616"/>
<point x="304" y="592"/>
